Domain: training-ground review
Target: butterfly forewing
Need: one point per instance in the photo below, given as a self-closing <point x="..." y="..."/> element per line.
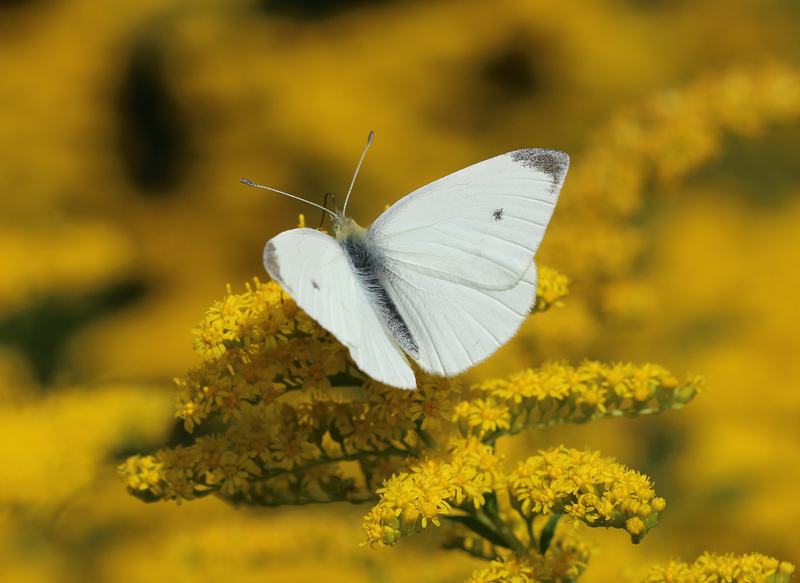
<point x="481" y="225"/>
<point x="313" y="268"/>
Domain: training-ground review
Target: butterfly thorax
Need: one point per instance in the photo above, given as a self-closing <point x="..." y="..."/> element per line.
<point x="344" y="227"/>
<point x="369" y="269"/>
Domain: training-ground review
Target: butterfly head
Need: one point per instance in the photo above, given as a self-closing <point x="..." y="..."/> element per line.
<point x="345" y="227"/>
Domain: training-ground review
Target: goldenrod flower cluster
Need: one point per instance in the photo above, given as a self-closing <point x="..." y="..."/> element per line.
<point x="281" y="412"/>
<point x="431" y="487"/>
<point x="259" y="349"/>
<point x="582" y="485"/>
<point x="750" y="568"/>
<point x="255" y="346"/>
<point x="655" y="146"/>
<point x="269" y="446"/>
<point x="564" y="561"/>
<point x="553" y="288"/>
<point x="677" y="130"/>
<point x="557" y="393"/>
<point x="591" y="489"/>
<point x="275" y="453"/>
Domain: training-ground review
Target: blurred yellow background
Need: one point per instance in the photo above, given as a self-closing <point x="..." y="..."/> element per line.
<point x="125" y="127"/>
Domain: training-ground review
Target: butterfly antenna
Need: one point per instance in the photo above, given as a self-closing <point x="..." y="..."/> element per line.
<point x="249" y="183"/>
<point x="325" y="204"/>
<point x="364" y="153"/>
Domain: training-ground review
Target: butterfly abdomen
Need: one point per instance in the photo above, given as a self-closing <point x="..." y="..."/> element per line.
<point x="366" y="262"/>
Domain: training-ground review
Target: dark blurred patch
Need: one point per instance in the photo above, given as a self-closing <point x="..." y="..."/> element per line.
<point x="14" y="3"/>
<point x="314" y="9"/>
<point x="178" y="436"/>
<point x="792" y="7"/>
<point x="725" y="496"/>
<point x="153" y="137"/>
<point x="133" y="446"/>
<point x="662" y="442"/>
<point x="513" y="72"/>
<point x="314" y="177"/>
<point x="709" y="331"/>
<point x="765" y="171"/>
<point x="41" y="331"/>
<point x="656" y="4"/>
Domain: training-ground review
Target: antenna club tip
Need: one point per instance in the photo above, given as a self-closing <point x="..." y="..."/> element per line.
<point x="371" y="135"/>
<point x="245" y="181"/>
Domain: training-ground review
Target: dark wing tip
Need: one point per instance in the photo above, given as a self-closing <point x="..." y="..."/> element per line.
<point x="271" y="261"/>
<point x="551" y="162"/>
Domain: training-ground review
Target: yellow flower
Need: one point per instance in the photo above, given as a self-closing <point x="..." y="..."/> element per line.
<point x="752" y="568"/>
<point x="421" y="495"/>
<point x="390" y="406"/>
<point x="488" y="466"/>
<point x="564" y="560"/>
<point x="209" y="338"/>
<point x="586" y="487"/>
<point x="553" y="287"/>
<point x="228" y="311"/>
<point x="432" y="405"/>
<point x="191" y="414"/>
<point x="488" y="415"/>
<point x="233" y="473"/>
<point x="142" y="473"/>
<point x="514" y="389"/>
<point x="557" y="392"/>
<point x="461" y="411"/>
<point x="260" y="354"/>
<point x="320" y="360"/>
<point x="365" y="434"/>
<point x="293" y="450"/>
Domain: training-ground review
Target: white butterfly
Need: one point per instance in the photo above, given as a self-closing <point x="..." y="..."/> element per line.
<point x="445" y="275"/>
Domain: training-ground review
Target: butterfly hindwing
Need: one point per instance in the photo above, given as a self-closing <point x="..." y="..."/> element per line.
<point x="457" y="325"/>
<point x="312" y="267"/>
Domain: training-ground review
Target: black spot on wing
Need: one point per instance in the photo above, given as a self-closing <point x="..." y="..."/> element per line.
<point x="314" y="284"/>
<point x="498" y="215"/>
<point x="550" y="162"/>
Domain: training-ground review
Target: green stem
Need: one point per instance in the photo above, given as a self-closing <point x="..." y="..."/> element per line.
<point x="426" y="437"/>
<point x="504" y="530"/>
<point x="529" y="524"/>
<point x="270" y="474"/>
<point x="298" y="501"/>
<point x="489" y="518"/>
<point x="548" y="532"/>
<point x="492" y="437"/>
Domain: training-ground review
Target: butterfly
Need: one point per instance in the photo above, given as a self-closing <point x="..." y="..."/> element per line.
<point x="445" y="276"/>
